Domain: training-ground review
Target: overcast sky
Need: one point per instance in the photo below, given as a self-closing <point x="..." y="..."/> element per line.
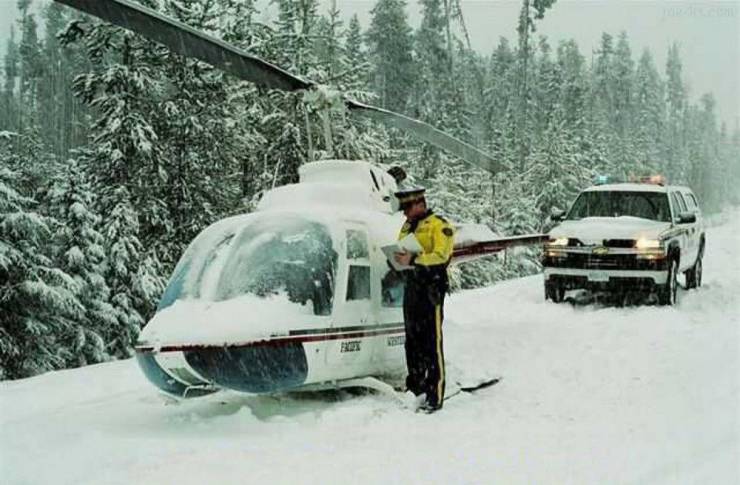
<point x="708" y="33"/>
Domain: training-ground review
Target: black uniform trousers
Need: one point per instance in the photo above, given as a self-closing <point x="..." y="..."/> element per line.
<point x="423" y="314"/>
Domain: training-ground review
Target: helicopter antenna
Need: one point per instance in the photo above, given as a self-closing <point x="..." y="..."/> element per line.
<point x="309" y="136"/>
<point x="327" y="132"/>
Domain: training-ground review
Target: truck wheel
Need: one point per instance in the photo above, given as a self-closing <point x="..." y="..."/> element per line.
<point x="693" y="275"/>
<point x="555" y="293"/>
<point x="668" y="292"/>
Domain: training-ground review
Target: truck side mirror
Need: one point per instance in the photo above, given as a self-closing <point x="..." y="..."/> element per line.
<point x="557" y="215"/>
<point x="686" y="218"/>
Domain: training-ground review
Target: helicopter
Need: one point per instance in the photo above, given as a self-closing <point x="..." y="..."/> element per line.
<point x="297" y="295"/>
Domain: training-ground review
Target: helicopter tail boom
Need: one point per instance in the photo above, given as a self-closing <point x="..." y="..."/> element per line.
<point x="475" y="250"/>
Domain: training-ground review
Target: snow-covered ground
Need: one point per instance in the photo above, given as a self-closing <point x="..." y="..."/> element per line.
<point x="591" y="393"/>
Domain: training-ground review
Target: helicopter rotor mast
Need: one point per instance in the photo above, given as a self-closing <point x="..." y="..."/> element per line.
<point x="189" y="42"/>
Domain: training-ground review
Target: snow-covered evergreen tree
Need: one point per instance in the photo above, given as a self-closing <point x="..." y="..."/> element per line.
<point x="499" y="84"/>
<point x="623" y="90"/>
<point x="517" y="213"/>
<point x="546" y="82"/>
<point x="676" y="105"/>
<point x="531" y="10"/>
<point x="356" y="58"/>
<point x="62" y="126"/>
<point x="650" y="116"/>
<point x="574" y="85"/>
<point x="390" y="48"/>
<point x="79" y="251"/>
<point x="133" y="278"/>
<point x="37" y="300"/>
<point x="703" y="166"/>
<point x="10" y="110"/>
<point x="559" y="170"/>
<point x="30" y="67"/>
<point x="125" y="166"/>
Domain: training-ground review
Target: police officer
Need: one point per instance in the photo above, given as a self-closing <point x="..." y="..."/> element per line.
<point x="424" y="294"/>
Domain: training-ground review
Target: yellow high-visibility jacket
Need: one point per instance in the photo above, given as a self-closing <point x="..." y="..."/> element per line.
<point x="436" y="237"/>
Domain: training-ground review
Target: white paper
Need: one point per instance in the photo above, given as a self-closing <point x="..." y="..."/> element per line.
<point x="408" y="244"/>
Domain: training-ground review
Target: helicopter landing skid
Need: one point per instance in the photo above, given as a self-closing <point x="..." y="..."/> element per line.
<point x="375" y="384"/>
<point x="372" y="383"/>
<point x="408" y="401"/>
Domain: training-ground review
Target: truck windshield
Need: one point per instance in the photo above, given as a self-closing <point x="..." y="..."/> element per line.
<point x="268" y="256"/>
<point x="646" y="205"/>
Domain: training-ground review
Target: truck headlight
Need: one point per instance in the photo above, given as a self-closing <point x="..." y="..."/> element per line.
<point x="644" y="243"/>
<point x="555" y="247"/>
<point x="560" y="241"/>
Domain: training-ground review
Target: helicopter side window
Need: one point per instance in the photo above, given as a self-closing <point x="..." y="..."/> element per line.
<point x="392" y="286"/>
<point x="358" y="284"/>
<point x="356" y="244"/>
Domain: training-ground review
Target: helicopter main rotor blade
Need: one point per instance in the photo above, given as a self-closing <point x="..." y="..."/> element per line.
<point x="189" y="42"/>
<point x="429" y="134"/>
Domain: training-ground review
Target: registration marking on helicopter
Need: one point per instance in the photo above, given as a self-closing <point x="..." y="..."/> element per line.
<point x="351" y="346"/>
<point x="396" y="340"/>
<point x="294" y="336"/>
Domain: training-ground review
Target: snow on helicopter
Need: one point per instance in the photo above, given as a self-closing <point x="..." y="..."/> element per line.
<point x="298" y="294"/>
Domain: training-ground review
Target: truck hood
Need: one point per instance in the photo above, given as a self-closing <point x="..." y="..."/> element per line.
<point x="594" y="230"/>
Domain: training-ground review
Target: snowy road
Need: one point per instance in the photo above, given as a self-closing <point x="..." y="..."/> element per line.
<point x="591" y="394"/>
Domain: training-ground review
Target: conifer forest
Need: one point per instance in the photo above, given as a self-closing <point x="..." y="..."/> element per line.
<point x="115" y="153"/>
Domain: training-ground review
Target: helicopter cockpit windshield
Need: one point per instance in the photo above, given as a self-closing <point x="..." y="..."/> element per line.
<point x="268" y="256"/>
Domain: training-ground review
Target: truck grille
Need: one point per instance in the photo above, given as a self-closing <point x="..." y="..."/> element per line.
<point x="603" y="261"/>
<point x="619" y="243"/>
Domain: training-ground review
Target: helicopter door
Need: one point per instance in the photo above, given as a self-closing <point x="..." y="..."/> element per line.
<point x="353" y="316"/>
<point x="390" y="350"/>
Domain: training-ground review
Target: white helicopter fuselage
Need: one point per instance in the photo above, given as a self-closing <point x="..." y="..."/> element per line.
<point x="297" y="295"/>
